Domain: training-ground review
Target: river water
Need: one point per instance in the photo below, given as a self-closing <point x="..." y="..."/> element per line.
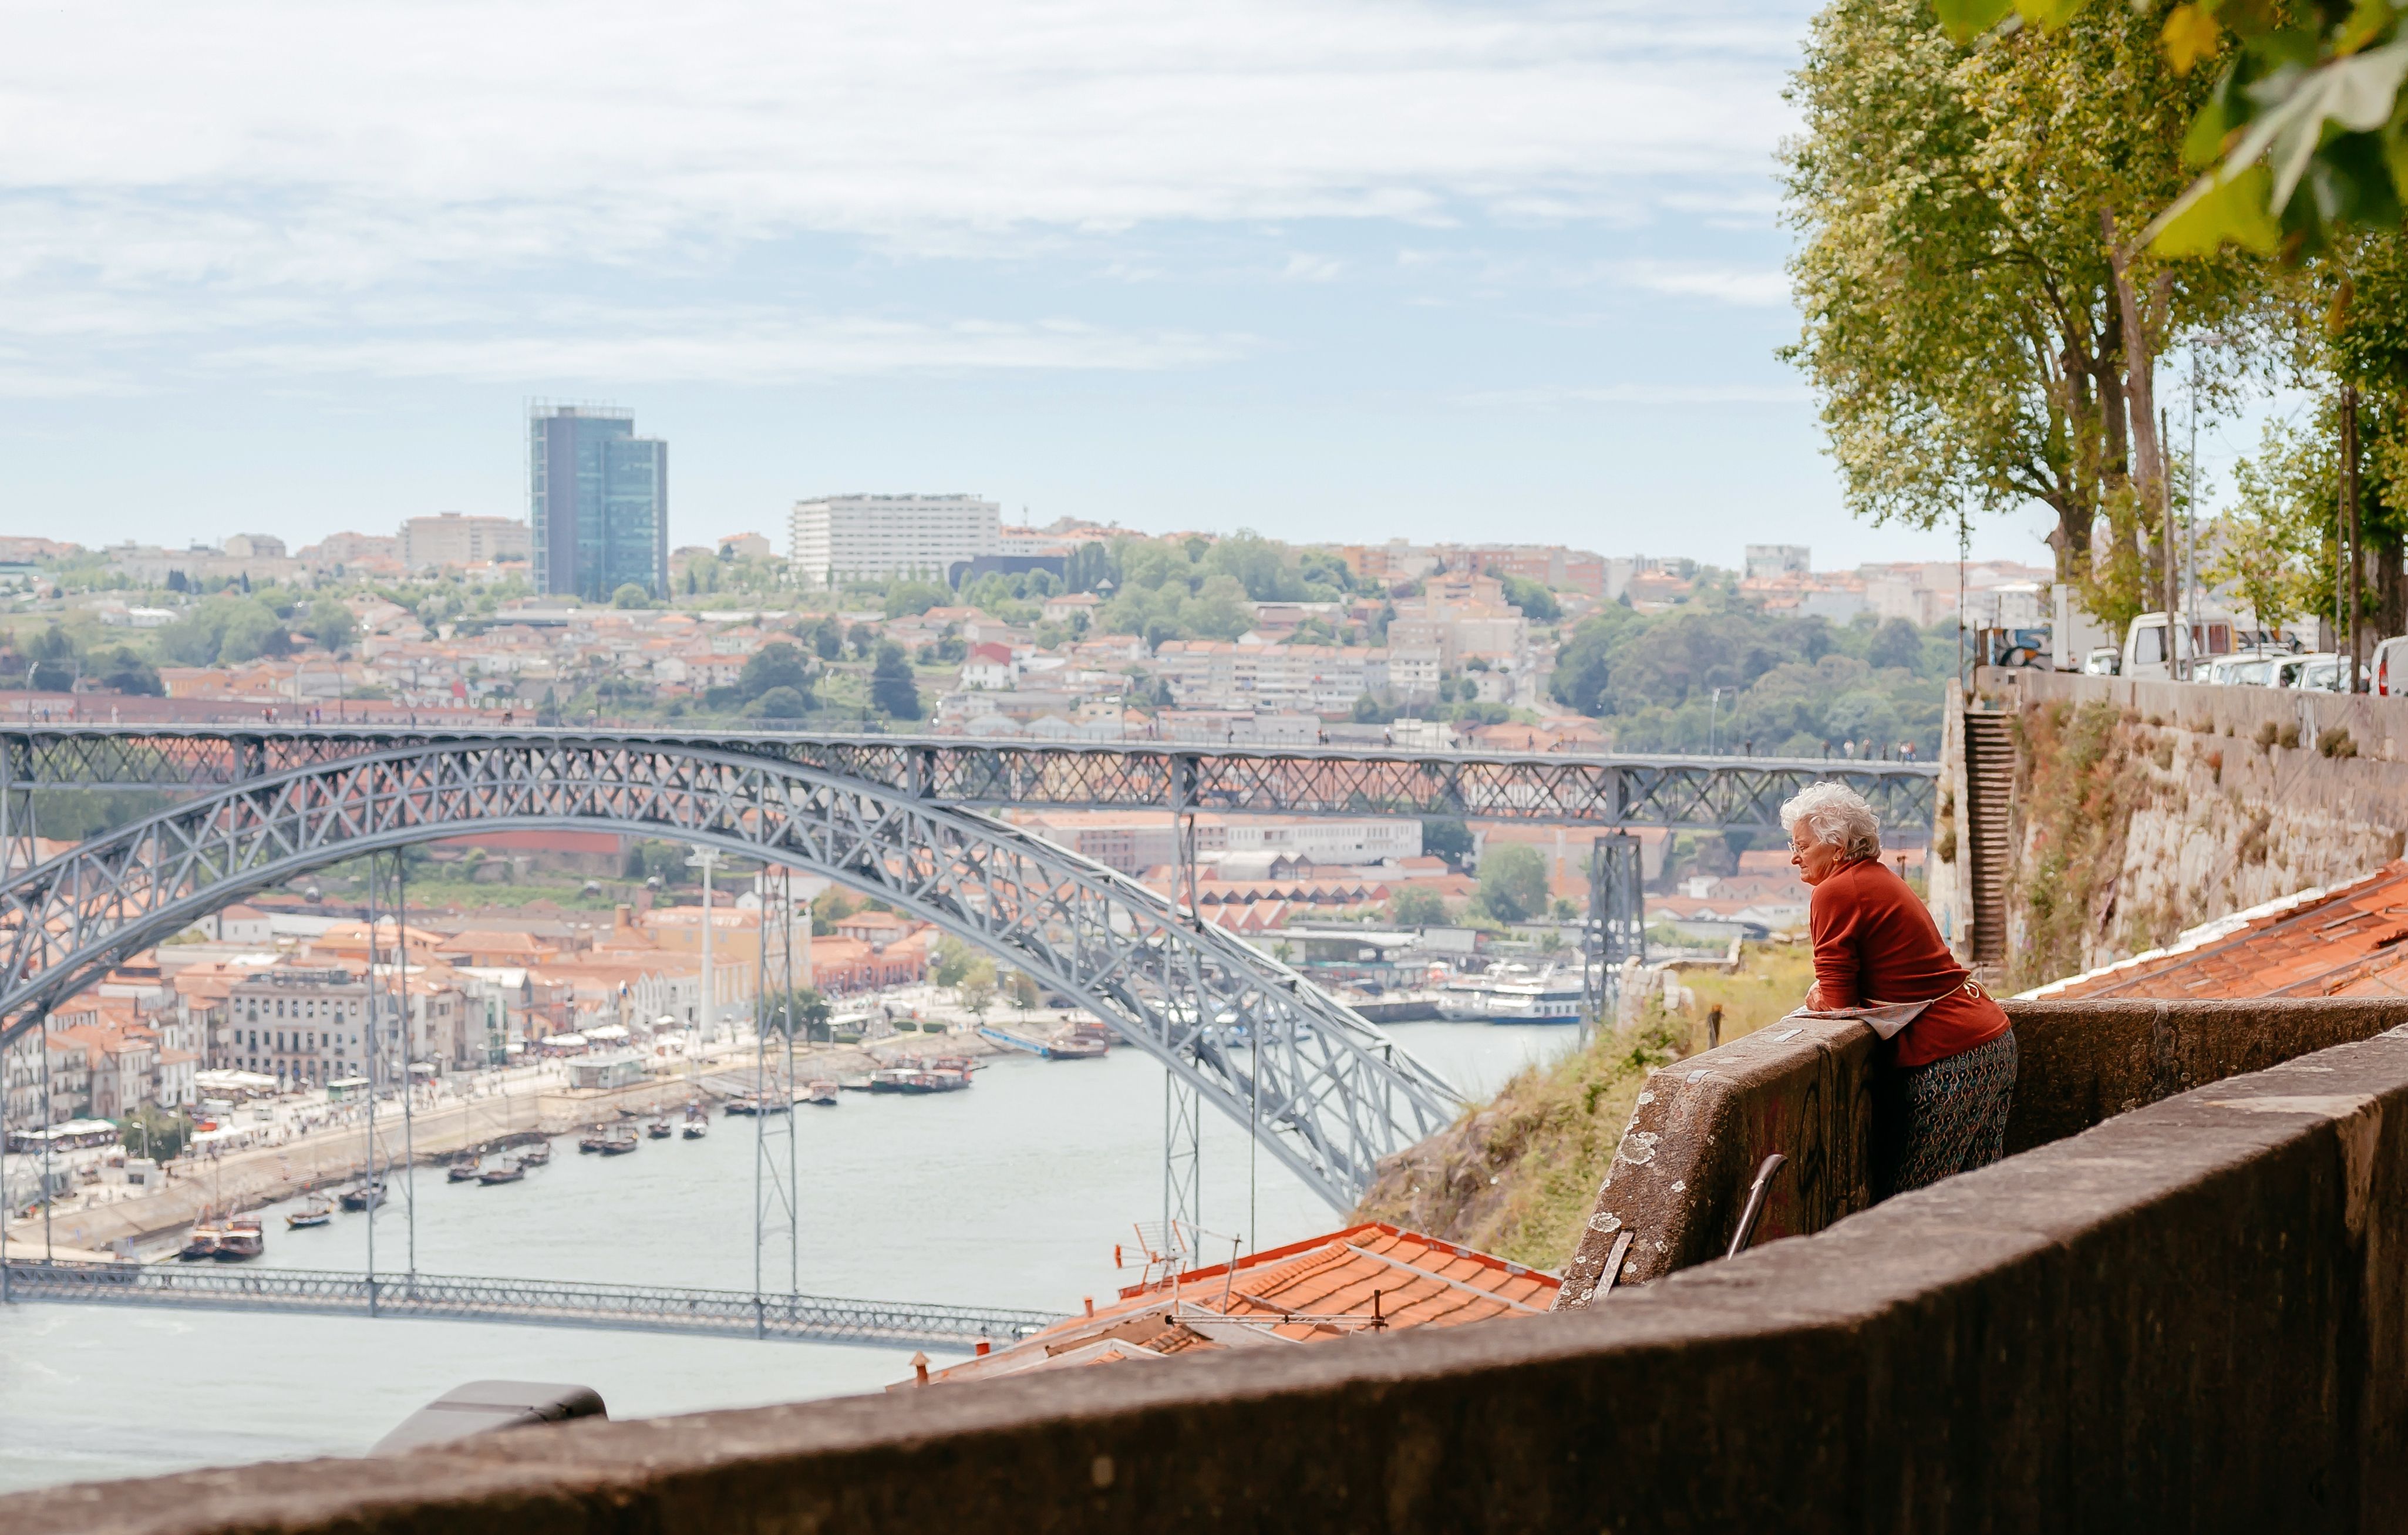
<point x="1012" y="1194"/>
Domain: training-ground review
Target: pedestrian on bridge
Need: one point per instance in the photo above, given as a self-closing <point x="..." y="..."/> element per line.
<point x="1941" y="1097"/>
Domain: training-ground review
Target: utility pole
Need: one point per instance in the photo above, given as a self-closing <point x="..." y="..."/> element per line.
<point x="706" y="859"/>
<point x="2348" y="583"/>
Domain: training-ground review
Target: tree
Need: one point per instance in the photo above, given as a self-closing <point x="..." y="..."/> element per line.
<point x="953" y="961"/>
<point x="331" y="626"/>
<point x="910" y="598"/>
<point x="804" y="1010"/>
<point x="827" y="638"/>
<point x="2275" y="548"/>
<point x="779" y="703"/>
<point x="1538" y="604"/>
<point x="122" y="671"/>
<point x="629" y="595"/>
<point x="1023" y="988"/>
<point x="1895" y="643"/>
<point x="1512" y="882"/>
<point x="892" y="689"/>
<point x="1370" y="710"/>
<point x="1978" y="323"/>
<point x="1442" y="836"/>
<point x="254" y="629"/>
<point x="776" y="664"/>
<point x="975" y="991"/>
<point x="1416" y="907"/>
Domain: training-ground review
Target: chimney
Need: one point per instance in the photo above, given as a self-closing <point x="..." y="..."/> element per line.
<point x="920" y="1369"/>
<point x="984" y="1348"/>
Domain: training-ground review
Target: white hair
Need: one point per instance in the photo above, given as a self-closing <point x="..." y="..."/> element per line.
<point x="1835" y="814"/>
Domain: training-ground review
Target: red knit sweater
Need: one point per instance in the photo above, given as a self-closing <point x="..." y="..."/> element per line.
<point x="1875" y="942"/>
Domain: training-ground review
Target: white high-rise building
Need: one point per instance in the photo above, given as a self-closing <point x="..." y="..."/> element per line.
<point x="451" y="539"/>
<point x="875" y="537"/>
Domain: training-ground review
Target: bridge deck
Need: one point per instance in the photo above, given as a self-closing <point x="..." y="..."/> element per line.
<point x="734" y="1313"/>
<point x="1685" y="790"/>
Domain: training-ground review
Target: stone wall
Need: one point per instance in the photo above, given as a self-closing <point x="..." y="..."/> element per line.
<point x="2144" y="809"/>
<point x="2191" y="1318"/>
<point x="1806" y="1089"/>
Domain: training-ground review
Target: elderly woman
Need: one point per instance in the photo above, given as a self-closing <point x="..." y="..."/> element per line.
<point x="1879" y="956"/>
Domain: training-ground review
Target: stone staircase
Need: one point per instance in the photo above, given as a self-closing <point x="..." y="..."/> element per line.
<point x="1989" y="837"/>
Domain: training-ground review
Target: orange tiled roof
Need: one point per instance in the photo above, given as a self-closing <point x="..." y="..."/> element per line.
<point x="2345" y="941"/>
<point x="1366" y="1277"/>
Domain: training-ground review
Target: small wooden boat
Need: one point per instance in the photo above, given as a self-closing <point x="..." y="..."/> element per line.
<point x="503" y="1173"/>
<point x="615" y="1141"/>
<point x="535" y="1155"/>
<point x="242" y="1239"/>
<point x="697" y="1122"/>
<point x="657" y="1129"/>
<point x="822" y="1092"/>
<point x="742" y="1104"/>
<point x="203" y="1242"/>
<point x="462" y="1173"/>
<point x="318" y="1211"/>
<point x="363" y="1196"/>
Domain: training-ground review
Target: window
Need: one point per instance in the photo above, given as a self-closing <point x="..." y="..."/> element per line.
<point x="2148" y="646"/>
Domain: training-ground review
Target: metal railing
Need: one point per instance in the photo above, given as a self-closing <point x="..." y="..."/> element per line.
<point x="737" y="1313"/>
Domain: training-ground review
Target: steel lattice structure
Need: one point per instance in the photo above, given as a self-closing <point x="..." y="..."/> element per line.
<point x="1691" y="793"/>
<point x="1334" y="1093"/>
<point x="522" y="1301"/>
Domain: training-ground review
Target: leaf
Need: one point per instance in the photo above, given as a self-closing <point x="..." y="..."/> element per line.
<point x="2048" y="13"/>
<point x="2190" y="35"/>
<point x="1966" y="20"/>
<point x="2215" y="211"/>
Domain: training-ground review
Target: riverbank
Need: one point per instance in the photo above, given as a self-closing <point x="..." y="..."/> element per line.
<point x="150" y="1226"/>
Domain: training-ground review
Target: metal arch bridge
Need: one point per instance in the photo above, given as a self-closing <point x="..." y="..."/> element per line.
<point x="1326" y="1092"/>
<point x="1689" y="793"/>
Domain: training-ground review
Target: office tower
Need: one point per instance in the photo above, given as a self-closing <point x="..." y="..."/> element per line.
<point x="873" y="538"/>
<point x="599" y="502"/>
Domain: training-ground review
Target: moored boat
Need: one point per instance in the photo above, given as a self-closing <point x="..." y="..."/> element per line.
<point x="317" y="1211"/>
<point x="462" y="1173"/>
<point x="203" y="1240"/>
<point x="823" y="1092"/>
<point x="615" y="1141"/>
<point x="534" y="1155"/>
<point x="658" y="1130"/>
<point x="363" y="1196"/>
<point x="242" y="1239"/>
<point x="509" y="1171"/>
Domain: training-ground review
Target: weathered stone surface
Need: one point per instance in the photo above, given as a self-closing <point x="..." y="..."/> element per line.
<point x="2187" y="1318"/>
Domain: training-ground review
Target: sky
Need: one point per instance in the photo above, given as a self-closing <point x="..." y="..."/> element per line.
<point x="1325" y="269"/>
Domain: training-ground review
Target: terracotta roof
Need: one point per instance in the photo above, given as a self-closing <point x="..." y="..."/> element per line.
<point x="1369" y="1277"/>
<point x="2343" y="941"/>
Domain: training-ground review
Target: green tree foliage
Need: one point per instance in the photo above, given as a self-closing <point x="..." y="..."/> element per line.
<point x="976" y="989"/>
<point x="330" y="625"/>
<point x="910" y="598"/>
<point x="892" y="689"/>
<point x="2276" y="547"/>
<point x="1417" y="906"/>
<point x="121" y="670"/>
<point x="779" y="703"/>
<point x="1442" y="836"/>
<point x="952" y="962"/>
<point x="1978" y="325"/>
<point x="629" y="595"/>
<point x="1198" y="589"/>
<point x="1537" y="603"/>
<point x="1512" y="882"/>
<point x="827" y="638"/>
<point x="804" y="1011"/>
<point x="776" y="664"/>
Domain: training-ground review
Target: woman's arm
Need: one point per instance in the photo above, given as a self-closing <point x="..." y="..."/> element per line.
<point x="1833" y="915"/>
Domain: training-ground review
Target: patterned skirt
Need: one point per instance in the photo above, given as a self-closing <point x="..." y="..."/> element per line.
<point x="1951" y="1116"/>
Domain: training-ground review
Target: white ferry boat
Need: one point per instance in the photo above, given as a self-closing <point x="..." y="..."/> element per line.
<point x="1512" y="994"/>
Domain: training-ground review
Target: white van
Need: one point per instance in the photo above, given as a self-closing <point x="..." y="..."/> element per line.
<point x="2392" y="668"/>
<point x="2147" y="651"/>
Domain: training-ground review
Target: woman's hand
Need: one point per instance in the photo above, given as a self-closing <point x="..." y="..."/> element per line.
<point x="1814" y="998"/>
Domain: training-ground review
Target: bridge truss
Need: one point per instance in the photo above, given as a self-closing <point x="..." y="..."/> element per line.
<point x="1689" y="792"/>
<point x="1324" y="1091"/>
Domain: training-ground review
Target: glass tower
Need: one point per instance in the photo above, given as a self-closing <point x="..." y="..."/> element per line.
<point x="598" y="506"/>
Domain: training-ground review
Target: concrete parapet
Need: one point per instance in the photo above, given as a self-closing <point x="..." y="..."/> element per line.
<point x="1806" y="1089"/>
<point x="2191" y="1318"/>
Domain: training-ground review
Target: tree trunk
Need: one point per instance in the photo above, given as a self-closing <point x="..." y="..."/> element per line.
<point x="2140" y="407"/>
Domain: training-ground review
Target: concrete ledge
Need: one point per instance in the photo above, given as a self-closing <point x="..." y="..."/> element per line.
<point x="1806" y="1089"/>
<point x="2193" y="1317"/>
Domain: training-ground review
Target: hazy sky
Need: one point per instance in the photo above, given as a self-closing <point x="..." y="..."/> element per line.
<point x="1327" y="269"/>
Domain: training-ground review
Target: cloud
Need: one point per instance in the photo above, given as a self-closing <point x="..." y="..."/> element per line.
<point x="1642" y="394"/>
<point x="1761" y="288"/>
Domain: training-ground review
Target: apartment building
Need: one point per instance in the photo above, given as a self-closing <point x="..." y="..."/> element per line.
<point x="835" y="538"/>
<point x="451" y="539"/>
<point x="1271" y="679"/>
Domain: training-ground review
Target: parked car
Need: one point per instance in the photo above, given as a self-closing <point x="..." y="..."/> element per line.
<point x="2103" y="661"/>
<point x="2252" y="668"/>
<point x="2318" y="671"/>
<point x="2392" y="668"/>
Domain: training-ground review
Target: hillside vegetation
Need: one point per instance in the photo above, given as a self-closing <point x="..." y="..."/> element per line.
<point x="1517" y="1175"/>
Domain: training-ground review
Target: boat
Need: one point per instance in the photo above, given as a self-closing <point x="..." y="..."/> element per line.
<point x="857" y="1085"/>
<point x="697" y="1122"/>
<point x="242" y="1239"/>
<point x="462" y="1173"/>
<point x="506" y="1172"/>
<point x="203" y="1242"/>
<point x="363" y="1196"/>
<point x="912" y="1079"/>
<point x="534" y="1155"/>
<point x="742" y="1104"/>
<point x="1512" y="994"/>
<point x="658" y="1130"/>
<point x="615" y="1141"/>
<point x="822" y="1092"/>
<point x="318" y="1211"/>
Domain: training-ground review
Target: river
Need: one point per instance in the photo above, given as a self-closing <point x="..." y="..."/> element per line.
<point x="1012" y="1194"/>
